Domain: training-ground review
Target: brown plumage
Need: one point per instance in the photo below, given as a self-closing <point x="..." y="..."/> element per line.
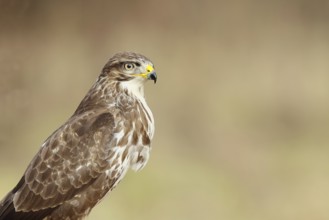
<point x="88" y="155"/>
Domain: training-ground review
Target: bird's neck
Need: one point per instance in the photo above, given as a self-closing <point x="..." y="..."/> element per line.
<point x="100" y="95"/>
<point x="133" y="87"/>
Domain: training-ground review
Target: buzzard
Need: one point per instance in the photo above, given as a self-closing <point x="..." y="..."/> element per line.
<point x="110" y="132"/>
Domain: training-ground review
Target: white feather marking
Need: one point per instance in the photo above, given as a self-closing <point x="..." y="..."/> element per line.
<point x="78" y="168"/>
<point x="119" y="135"/>
<point x="135" y="164"/>
<point x="55" y="150"/>
<point x="135" y="87"/>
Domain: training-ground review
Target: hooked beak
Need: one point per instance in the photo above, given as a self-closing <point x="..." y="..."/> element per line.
<point x="152" y="76"/>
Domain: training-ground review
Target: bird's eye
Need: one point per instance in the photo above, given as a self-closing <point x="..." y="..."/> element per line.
<point x="129" y="66"/>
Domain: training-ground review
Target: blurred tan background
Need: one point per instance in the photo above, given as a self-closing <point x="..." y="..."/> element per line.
<point x="241" y="104"/>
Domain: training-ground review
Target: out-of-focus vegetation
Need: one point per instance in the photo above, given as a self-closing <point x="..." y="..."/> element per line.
<point x="241" y="103"/>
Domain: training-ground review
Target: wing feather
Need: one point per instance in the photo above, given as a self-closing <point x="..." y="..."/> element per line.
<point x="71" y="159"/>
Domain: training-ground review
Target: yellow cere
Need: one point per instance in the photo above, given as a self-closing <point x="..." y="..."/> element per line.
<point x="149" y="69"/>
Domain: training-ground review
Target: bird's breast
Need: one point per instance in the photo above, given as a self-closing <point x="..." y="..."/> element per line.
<point x="132" y="135"/>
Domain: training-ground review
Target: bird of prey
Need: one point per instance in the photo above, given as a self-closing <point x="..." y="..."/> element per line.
<point x="110" y="132"/>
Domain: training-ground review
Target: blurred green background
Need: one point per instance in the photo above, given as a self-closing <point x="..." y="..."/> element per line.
<point x="241" y="104"/>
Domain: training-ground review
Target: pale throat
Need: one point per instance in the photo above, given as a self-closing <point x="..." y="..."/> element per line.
<point x="134" y="87"/>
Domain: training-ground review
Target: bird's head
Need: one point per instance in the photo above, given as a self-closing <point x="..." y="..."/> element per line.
<point x="132" y="67"/>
